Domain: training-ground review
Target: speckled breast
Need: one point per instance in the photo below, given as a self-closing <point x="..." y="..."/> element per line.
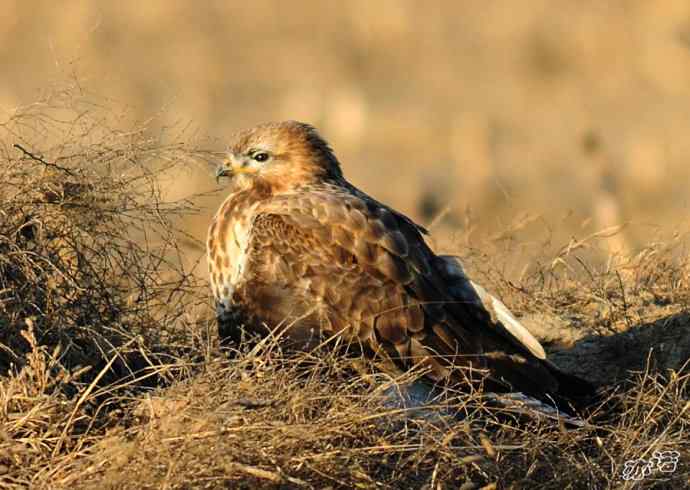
<point x="228" y="238"/>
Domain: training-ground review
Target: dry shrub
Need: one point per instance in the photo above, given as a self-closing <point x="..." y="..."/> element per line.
<point x="96" y="307"/>
<point x="93" y="298"/>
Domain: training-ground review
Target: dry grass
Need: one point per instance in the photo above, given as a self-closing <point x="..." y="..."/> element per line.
<point x="111" y="379"/>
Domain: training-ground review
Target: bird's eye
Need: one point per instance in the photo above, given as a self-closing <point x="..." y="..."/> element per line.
<point x="260" y="156"/>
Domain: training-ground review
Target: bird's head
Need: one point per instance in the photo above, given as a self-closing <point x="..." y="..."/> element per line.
<point x="280" y="155"/>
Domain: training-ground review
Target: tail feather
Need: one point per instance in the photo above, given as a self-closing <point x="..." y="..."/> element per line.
<point x="527" y="368"/>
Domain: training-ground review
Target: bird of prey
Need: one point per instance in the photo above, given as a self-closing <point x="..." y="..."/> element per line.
<point x="296" y="248"/>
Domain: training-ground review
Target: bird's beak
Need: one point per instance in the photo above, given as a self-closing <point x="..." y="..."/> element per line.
<point x="233" y="166"/>
<point x="223" y="170"/>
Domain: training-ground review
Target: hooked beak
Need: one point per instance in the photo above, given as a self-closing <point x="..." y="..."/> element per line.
<point x="223" y="171"/>
<point x="232" y="166"/>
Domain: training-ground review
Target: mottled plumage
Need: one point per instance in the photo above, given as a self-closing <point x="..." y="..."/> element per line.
<point x="296" y="245"/>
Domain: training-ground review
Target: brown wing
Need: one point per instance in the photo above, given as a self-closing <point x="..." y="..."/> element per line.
<point x="345" y="264"/>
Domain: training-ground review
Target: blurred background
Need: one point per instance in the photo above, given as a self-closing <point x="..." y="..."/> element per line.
<point x="499" y="122"/>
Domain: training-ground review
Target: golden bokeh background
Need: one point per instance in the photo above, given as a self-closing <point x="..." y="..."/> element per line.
<point x="558" y="117"/>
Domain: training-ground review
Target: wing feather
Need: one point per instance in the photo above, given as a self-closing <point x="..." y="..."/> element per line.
<point x="374" y="278"/>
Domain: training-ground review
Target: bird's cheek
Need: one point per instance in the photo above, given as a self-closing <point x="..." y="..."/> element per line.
<point x="244" y="168"/>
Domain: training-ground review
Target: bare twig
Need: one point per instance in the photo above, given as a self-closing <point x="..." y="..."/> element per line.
<point x="41" y="160"/>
